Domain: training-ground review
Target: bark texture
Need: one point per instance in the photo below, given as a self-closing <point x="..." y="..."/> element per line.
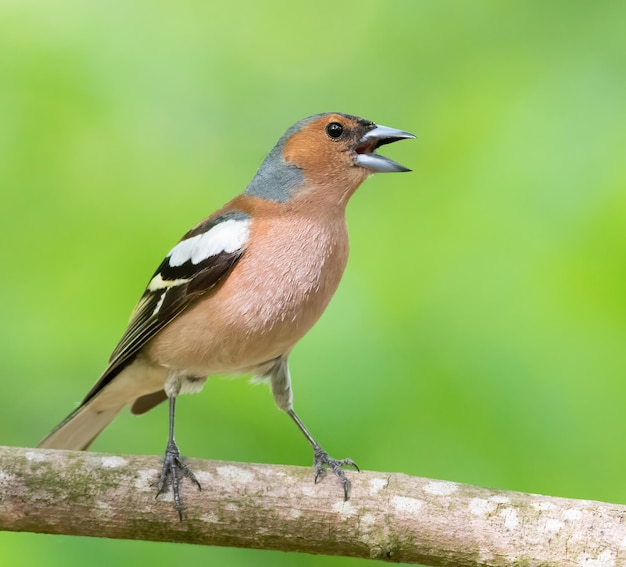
<point x="390" y="516"/>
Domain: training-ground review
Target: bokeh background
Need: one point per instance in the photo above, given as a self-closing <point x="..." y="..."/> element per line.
<point x="479" y="332"/>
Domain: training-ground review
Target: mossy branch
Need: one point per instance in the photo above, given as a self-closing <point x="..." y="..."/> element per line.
<point x="392" y="517"/>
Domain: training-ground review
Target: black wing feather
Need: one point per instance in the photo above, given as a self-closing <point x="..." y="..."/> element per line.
<point x="158" y="307"/>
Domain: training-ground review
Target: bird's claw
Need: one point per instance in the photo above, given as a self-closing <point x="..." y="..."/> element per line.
<point x="323" y="461"/>
<point x="173" y="464"/>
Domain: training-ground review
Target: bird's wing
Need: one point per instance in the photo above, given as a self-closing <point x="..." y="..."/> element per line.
<point x="202" y="258"/>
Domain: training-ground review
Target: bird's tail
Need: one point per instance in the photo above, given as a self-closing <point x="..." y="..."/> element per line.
<point x="78" y="430"/>
<point x="106" y="399"/>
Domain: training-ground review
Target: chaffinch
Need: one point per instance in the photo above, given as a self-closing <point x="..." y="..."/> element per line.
<point x="241" y="288"/>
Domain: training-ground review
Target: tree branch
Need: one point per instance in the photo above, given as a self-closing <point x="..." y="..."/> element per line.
<point x="392" y="517"/>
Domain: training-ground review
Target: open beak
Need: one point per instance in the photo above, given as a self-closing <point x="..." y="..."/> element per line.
<point x="379" y="136"/>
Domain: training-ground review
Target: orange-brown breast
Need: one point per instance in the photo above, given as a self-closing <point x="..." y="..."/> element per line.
<point x="273" y="296"/>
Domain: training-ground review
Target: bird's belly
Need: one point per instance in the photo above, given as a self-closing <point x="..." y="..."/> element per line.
<point x="273" y="296"/>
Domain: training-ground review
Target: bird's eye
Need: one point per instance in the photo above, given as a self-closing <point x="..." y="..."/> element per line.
<point x="334" y="130"/>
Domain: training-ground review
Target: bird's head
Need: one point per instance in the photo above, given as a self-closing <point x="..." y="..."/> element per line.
<point x="325" y="158"/>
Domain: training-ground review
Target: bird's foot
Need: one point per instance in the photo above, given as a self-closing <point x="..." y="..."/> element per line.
<point x="174" y="468"/>
<point x="323" y="461"/>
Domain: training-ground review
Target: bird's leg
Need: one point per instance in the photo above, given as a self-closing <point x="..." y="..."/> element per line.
<point x="173" y="466"/>
<point x="323" y="460"/>
<point x="281" y="389"/>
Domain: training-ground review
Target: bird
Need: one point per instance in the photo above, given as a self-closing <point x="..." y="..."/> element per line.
<point x="241" y="288"/>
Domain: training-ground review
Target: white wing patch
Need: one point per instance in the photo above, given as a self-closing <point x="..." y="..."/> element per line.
<point x="157" y="283"/>
<point x="227" y="236"/>
<point x="159" y="304"/>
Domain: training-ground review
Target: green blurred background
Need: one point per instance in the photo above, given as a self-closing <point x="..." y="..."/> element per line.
<point x="479" y="332"/>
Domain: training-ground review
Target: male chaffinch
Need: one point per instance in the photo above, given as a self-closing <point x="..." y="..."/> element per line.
<point x="241" y="288"/>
